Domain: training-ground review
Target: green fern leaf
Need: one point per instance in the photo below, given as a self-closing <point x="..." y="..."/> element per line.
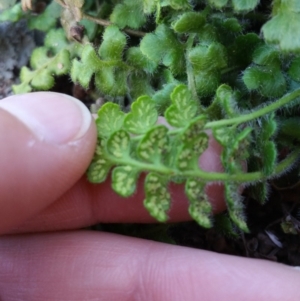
<point x="183" y="108"/>
<point x="13" y="14"/>
<point x="243" y="6"/>
<point x="284" y="27"/>
<point x="124" y="180"/>
<point x="189" y="22"/>
<point x="164" y="47"/>
<point x="227" y="101"/>
<point x="44" y="69"/>
<point x="46" y="20"/>
<point x="118" y="145"/>
<point x="142" y="117"/>
<point x="114" y="42"/>
<point x="153" y="145"/>
<point x="82" y="71"/>
<point x="218" y="3"/>
<point x="110" y="119"/>
<point x="129" y="13"/>
<point x="200" y="208"/>
<point x="158" y="198"/>
<point x="100" y="166"/>
<point x="235" y="206"/>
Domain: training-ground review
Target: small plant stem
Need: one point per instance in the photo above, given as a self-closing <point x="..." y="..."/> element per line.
<point x="158" y="11"/>
<point x="255" y="114"/>
<point x="189" y="67"/>
<point x="210" y="176"/>
<point x="107" y="23"/>
<point x="285" y="164"/>
<point x="96" y="20"/>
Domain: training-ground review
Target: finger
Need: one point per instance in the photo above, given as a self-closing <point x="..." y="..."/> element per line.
<point x="46" y="143"/>
<point x="87" y="204"/>
<point x="99" y="266"/>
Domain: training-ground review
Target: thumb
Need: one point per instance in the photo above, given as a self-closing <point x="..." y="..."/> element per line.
<point x="46" y="143"/>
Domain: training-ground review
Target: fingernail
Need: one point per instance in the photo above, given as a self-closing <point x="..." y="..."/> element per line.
<point x="52" y="117"/>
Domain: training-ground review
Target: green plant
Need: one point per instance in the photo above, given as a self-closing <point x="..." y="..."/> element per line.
<point x="216" y="66"/>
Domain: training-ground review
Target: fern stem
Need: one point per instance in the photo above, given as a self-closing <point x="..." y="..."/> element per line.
<point x="206" y="176"/>
<point x="256" y="113"/>
<point x="103" y="22"/>
<point x="189" y="67"/>
<point x="250" y="177"/>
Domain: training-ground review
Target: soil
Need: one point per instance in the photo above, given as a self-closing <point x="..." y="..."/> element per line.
<point x="274" y="226"/>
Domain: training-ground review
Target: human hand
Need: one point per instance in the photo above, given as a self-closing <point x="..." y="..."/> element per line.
<point x="47" y="141"/>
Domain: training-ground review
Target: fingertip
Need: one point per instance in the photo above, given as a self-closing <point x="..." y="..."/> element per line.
<point x="47" y="141"/>
<point x="51" y="117"/>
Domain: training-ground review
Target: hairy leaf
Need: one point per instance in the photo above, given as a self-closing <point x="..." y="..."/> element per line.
<point x="111" y="80"/>
<point x="158" y="198"/>
<point x="162" y="97"/>
<point x="124" y="180"/>
<point x="22" y="88"/>
<point x="269" y="156"/>
<point x="284" y="27"/>
<point x="189" y="22"/>
<point x="294" y="70"/>
<point x="194" y="130"/>
<point x="110" y="119"/>
<point x="113" y="44"/>
<point x="154" y="144"/>
<point x="129" y="13"/>
<point x="44" y="69"/>
<point x="13" y="14"/>
<point x="82" y="71"/>
<point x="266" y="55"/>
<point x="268" y="81"/>
<point x="207" y="82"/>
<point x="200" y="208"/>
<point x="163" y="46"/>
<point x="268" y="128"/>
<point x="244" y="5"/>
<point x="142" y="117"/>
<point x="259" y="191"/>
<point x="47" y="19"/>
<point x="139" y="84"/>
<point x="207" y="58"/>
<point x="55" y="40"/>
<point x="118" y="144"/>
<point x="223" y="135"/>
<point x="149" y="6"/>
<point x="110" y="76"/>
<point x="194" y="143"/>
<point x="100" y="166"/>
<point x="218" y="3"/>
<point x="137" y="59"/>
<point x="233" y="25"/>
<point x="177" y="4"/>
<point x="183" y="108"/>
<point x="235" y="149"/>
<point x="235" y="206"/>
<point x="226" y="99"/>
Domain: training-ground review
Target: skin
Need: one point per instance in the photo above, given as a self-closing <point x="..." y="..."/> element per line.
<point x="45" y="200"/>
